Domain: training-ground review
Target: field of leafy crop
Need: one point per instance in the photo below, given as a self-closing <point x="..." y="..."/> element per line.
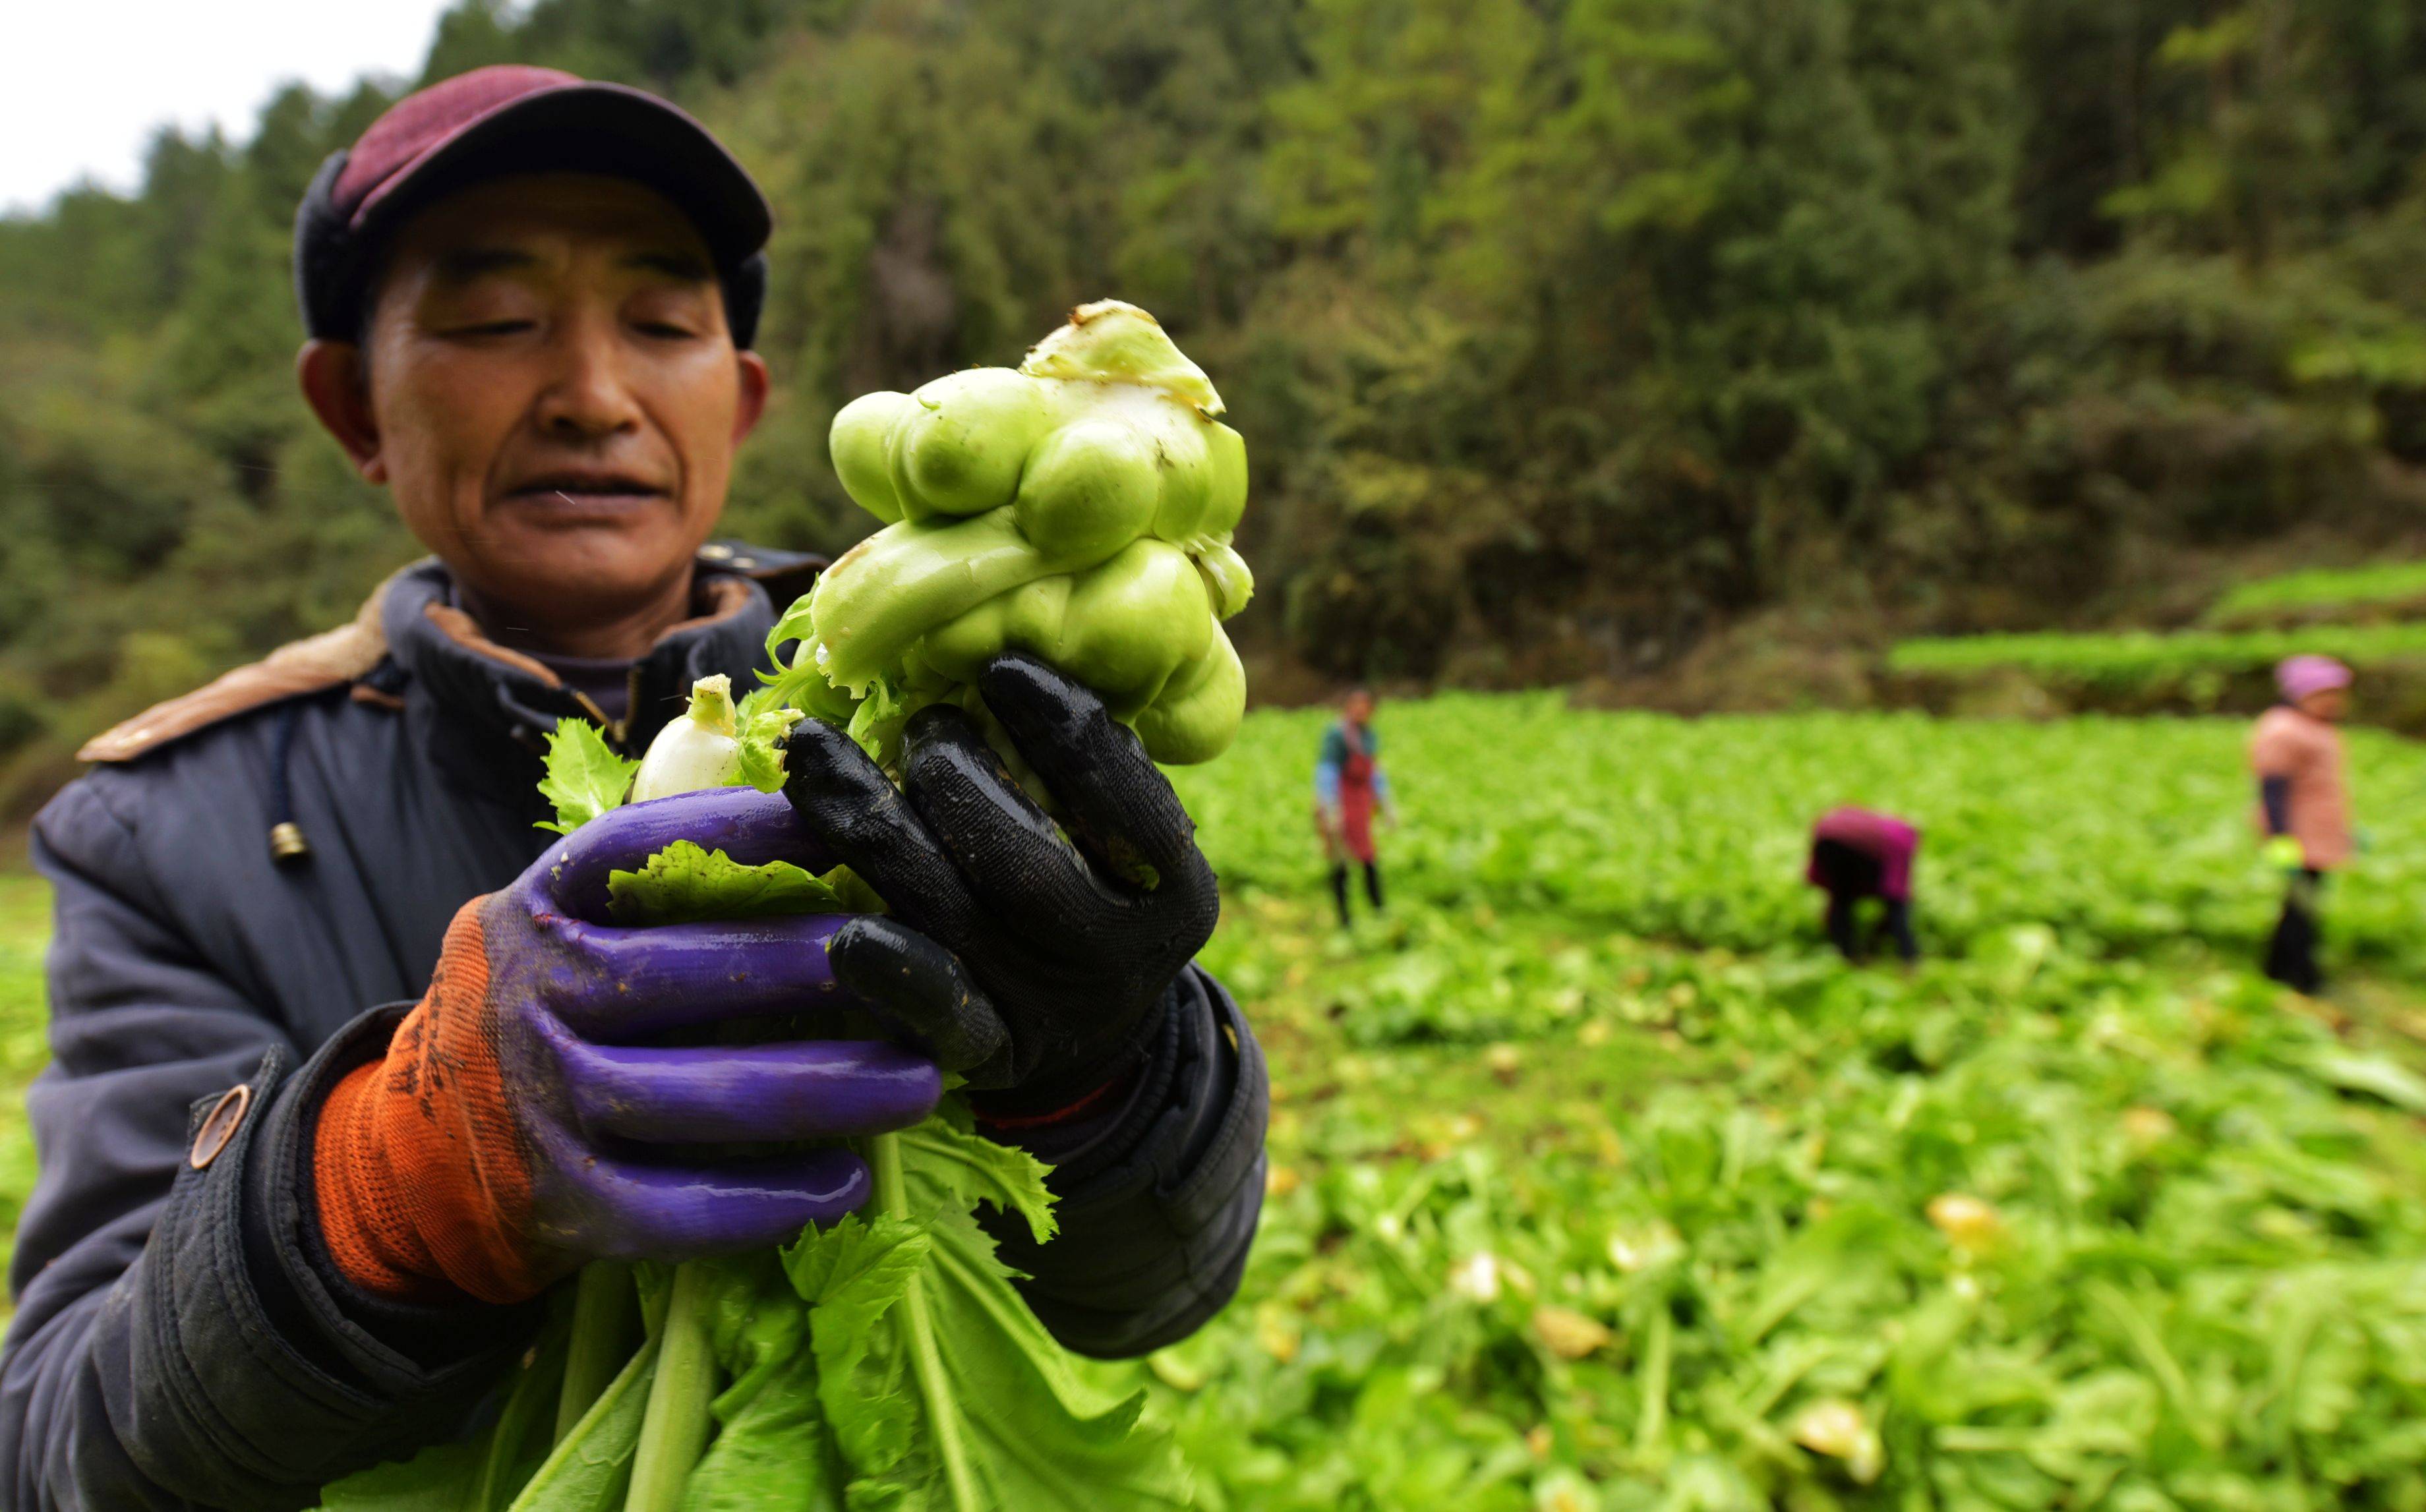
<point x="1597" y="1183"/>
<point x="2124" y="836"/>
<point x="2126" y="659"/>
<point x="2385" y="590"/>
<point x="2137" y="673"/>
<point x="1563" y="1216"/>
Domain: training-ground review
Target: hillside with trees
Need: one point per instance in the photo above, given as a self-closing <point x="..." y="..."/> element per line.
<point x="1574" y="340"/>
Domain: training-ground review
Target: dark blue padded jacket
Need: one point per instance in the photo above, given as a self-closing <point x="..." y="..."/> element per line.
<point x="181" y="1338"/>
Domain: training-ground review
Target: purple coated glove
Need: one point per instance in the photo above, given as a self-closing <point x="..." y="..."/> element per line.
<point x="530" y="1114"/>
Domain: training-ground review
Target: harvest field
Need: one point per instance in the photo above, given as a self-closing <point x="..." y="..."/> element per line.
<point x="2123" y="659"/>
<point x="1597" y="1183"/>
<point x="1563" y="1216"/>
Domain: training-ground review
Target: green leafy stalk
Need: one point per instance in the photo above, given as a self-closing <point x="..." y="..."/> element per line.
<point x="604" y="1310"/>
<point x="588" y="1469"/>
<point x="925" y="1360"/>
<point x="1652" y="1425"/>
<point x="524" y="1411"/>
<point x="674" y="1429"/>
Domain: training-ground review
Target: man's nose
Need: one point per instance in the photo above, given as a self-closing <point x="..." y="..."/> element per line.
<point x="589" y="394"/>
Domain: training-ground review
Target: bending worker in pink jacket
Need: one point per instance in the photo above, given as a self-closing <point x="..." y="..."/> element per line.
<point x="2303" y="804"/>
<point x="1858" y="854"/>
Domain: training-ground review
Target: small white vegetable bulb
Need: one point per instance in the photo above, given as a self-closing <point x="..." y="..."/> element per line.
<point x="700" y="751"/>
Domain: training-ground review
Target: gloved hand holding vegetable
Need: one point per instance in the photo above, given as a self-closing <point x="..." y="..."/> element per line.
<point x="493" y="1150"/>
<point x="995" y="918"/>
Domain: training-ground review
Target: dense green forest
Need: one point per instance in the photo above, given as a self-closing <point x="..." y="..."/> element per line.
<point x="1566" y="334"/>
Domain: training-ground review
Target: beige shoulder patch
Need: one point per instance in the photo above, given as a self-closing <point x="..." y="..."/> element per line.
<point x="308" y="666"/>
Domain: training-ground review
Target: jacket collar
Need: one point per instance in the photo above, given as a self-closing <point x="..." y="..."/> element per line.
<point x="485" y="709"/>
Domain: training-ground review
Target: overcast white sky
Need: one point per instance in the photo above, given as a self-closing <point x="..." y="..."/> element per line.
<point x="85" y="83"/>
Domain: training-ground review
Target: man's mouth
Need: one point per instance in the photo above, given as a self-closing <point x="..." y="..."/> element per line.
<point x="586" y="492"/>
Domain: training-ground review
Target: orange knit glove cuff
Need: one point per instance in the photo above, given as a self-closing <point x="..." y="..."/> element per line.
<point x="423" y="1187"/>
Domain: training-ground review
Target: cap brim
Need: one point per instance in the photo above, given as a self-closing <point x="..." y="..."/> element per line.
<point x="586" y="128"/>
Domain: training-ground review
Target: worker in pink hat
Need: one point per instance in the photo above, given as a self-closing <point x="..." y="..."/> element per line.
<point x="1858" y="854"/>
<point x="2303" y="804"/>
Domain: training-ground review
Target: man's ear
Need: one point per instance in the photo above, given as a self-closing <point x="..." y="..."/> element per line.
<point x="754" y="383"/>
<point x="338" y="390"/>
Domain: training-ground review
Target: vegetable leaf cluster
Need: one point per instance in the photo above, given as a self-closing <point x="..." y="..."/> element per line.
<point x="586" y="777"/>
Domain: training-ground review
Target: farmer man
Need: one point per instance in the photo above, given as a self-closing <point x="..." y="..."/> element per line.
<point x="1348" y="787"/>
<point x="1857" y="855"/>
<point x="352" y="1063"/>
<point x="2303" y="804"/>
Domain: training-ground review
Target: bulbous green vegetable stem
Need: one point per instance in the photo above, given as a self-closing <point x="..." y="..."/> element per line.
<point x="889" y="588"/>
<point x="1110" y="340"/>
<point x="1197" y="715"/>
<point x="961" y="450"/>
<point x="674" y="1431"/>
<point x="862" y="444"/>
<point x="1079" y="509"/>
<point x="1089" y="489"/>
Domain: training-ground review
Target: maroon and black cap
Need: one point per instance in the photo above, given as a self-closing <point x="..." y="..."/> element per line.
<point x="493" y="121"/>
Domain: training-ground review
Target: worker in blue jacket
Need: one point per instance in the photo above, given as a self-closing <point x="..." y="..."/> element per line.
<point x="1349" y="789"/>
<point x="348" y="1075"/>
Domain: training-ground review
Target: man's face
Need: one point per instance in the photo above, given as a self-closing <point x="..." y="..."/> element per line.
<point x="1358" y="707"/>
<point x="552" y="394"/>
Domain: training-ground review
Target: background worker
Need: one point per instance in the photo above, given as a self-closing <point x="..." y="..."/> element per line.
<point x="1349" y="786"/>
<point x="350" y="1063"/>
<point x="1859" y="854"/>
<point x="2303" y="805"/>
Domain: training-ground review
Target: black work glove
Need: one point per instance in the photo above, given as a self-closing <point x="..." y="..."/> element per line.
<point x="1059" y="956"/>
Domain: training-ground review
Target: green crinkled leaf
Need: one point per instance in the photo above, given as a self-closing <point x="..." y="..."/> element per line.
<point x="771" y="1448"/>
<point x="585" y="775"/>
<point x="1037" y="1436"/>
<point x="1025" y="1431"/>
<point x="949" y="1165"/>
<point x="851" y="893"/>
<point x="588" y="1469"/>
<point x="800" y="682"/>
<point x="876" y="723"/>
<point x="686" y="883"/>
<point x="853" y="1276"/>
<point x="439" y="1479"/>
<point x="761" y="723"/>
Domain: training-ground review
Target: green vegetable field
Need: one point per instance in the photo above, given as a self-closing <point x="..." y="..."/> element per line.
<point x="2369" y="616"/>
<point x="2130" y="657"/>
<point x="2383" y="591"/>
<point x="1598" y="1183"/>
